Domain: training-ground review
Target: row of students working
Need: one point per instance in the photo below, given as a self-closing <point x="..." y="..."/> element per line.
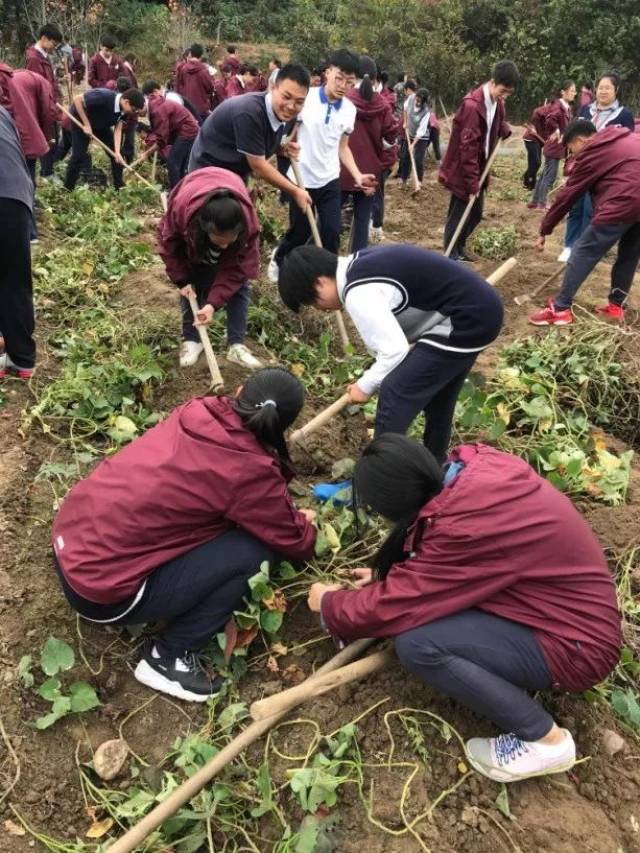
<point x="172" y="527"/>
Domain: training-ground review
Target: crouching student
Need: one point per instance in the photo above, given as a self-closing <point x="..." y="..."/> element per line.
<point x="209" y="240"/>
<point x="173" y="131"/>
<point x="174" y="525"/>
<point x="424" y="316"/>
<point x="482" y="607"/>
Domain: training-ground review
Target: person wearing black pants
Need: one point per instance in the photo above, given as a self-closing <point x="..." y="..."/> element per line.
<point x="178" y="160"/>
<point x="16" y="215"/>
<point x="491" y="585"/>
<point x="455" y="212"/>
<point x="327" y="202"/>
<point x="237" y="307"/>
<point x="423" y="316"/>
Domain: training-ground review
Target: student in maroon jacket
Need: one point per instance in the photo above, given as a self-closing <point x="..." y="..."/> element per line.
<point x="129" y="63"/>
<point x="194" y="82"/>
<point x="29" y="99"/>
<point x="556" y="121"/>
<point x="243" y="82"/>
<point x="220" y="84"/>
<point x="173" y="130"/>
<point x="482" y="605"/>
<point x="209" y="240"/>
<point x="375" y="131"/>
<point x="534" y="137"/>
<point x="173" y="526"/>
<point x="477" y="126"/>
<point x="607" y="165"/>
<point x="232" y="59"/>
<point x="78" y="67"/>
<point x="38" y="60"/>
<point x="105" y="65"/>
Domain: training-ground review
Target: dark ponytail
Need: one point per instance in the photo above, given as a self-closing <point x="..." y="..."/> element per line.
<point x="367" y="73"/>
<point x="395" y="476"/>
<point x="269" y="402"/>
<point x="220" y="212"/>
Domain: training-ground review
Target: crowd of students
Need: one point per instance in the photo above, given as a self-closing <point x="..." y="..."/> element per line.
<point x="480" y="606"/>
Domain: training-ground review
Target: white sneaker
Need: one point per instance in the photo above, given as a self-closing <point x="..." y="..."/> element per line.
<point x="239" y="354"/>
<point x="506" y="758"/>
<point x="564" y="255"/>
<point x="273" y="270"/>
<point x="190" y="352"/>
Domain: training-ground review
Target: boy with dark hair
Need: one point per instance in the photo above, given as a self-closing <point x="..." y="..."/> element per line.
<point x="323" y="129"/>
<point x="100" y="110"/>
<point x="607" y="165"/>
<point x="243" y="82"/>
<point x="105" y="65"/>
<point x="173" y="131"/>
<point x="477" y="126"/>
<point x="424" y="316"/>
<point x="38" y="60"/>
<point x="243" y="133"/>
<point x="232" y="59"/>
<point x="129" y="69"/>
<point x="194" y="82"/>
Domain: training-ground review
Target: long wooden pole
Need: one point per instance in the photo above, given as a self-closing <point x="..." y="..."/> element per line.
<point x="192" y="786"/>
<point x="520" y="300"/>
<point x="472" y="201"/>
<point x="320" y="419"/>
<point x="414" y="171"/>
<point x="502" y="270"/>
<point x="342" y="329"/>
<point x="106" y="148"/>
<point x="216" y="377"/>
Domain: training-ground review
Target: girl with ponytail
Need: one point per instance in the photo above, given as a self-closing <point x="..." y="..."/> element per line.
<point x="375" y="133"/>
<point x="491" y="584"/>
<point x="172" y="526"/>
<point x="209" y="240"/>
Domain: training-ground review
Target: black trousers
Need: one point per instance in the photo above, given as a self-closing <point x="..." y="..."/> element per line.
<point x="457" y="207"/>
<point x="79" y="145"/>
<point x="534" y="159"/>
<point x="178" y="159"/>
<point x="434" y="141"/>
<point x="377" y="211"/>
<point x="419" y="153"/>
<point x="237" y="308"/>
<point x="428" y="380"/>
<point x="16" y="295"/>
<point x="327" y="202"/>
<point x="486" y="664"/>
<point x="47" y="160"/>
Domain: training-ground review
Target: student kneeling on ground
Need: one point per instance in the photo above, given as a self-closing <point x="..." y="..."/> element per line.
<point x="209" y="240"/>
<point x="399" y="296"/>
<point x="482" y="606"/>
<point x="607" y="165"/>
<point x="174" y="525"/>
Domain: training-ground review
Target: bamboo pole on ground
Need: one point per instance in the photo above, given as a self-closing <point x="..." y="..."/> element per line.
<point x="320" y="419"/>
<point x="192" y="786"/>
<point x="472" y="201"/>
<point x="342" y="329"/>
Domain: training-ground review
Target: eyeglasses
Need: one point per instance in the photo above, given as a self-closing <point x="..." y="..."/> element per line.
<point x="347" y="79"/>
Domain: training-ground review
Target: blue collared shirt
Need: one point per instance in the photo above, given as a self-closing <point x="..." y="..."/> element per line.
<point x="331" y="105"/>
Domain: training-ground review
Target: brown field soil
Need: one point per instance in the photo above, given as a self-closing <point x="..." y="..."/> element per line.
<point x="596" y="808"/>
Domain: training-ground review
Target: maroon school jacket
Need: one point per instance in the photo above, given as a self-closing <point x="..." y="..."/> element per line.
<point x="169" y="120"/>
<point x="556" y="119"/>
<point x="127" y="71"/>
<point x="465" y="157"/>
<point x="219" y="91"/>
<point x="43" y="66"/>
<point x="233" y="62"/>
<point x="609" y="168"/>
<point x="39" y="95"/>
<point x="536" y="130"/>
<point x="27" y="115"/>
<point x="186" y="481"/>
<point x="194" y="82"/>
<point x="374" y="125"/>
<point x="101" y="71"/>
<point x="77" y="65"/>
<point x="502" y="539"/>
<point x="236" y="264"/>
<point x="389" y="96"/>
<point x="234" y="87"/>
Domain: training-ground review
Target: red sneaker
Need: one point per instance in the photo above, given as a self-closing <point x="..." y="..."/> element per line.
<point x="550" y="317"/>
<point x="8" y="368"/>
<point x="611" y="310"/>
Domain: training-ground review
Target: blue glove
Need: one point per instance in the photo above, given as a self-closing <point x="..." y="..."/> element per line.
<point x="339" y="493"/>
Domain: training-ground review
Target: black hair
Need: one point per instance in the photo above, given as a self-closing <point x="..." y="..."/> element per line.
<point x="564" y="85"/>
<point x="401" y="78"/>
<point x="277" y="62"/>
<point x="134" y="96"/>
<point x="383" y="77"/>
<point x="425" y="97"/>
<point x="505" y="73"/>
<point x="614" y="77"/>
<point x="299" y="272"/>
<point x="297" y="73"/>
<point x="51" y="31"/>
<point x="196" y="50"/>
<point x="108" y="41"/>
<point x="130" y="57"/>
<point x="226" y="68"/>
<point x="231" y="48"/>
<point x="410" y="84"/>
<point x="269" y="402"/>
<point x="347" y="61"/>
<point x="221" y="211"/>
<point x="123" y="84"/>
<point x="367" y="72"/>
<point x="150" y="86"/>
<point x="578" y="127"/>
<point x="395" y="476"/>
<point x="251" y="69"/>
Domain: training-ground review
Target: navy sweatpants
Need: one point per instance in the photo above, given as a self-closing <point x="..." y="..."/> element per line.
<point x="486" y="664"/>
<point x="237" y="307"/>
<point x="428" y="380"/>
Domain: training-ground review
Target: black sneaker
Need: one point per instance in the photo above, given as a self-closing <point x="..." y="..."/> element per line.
<point x="184" y="677"/>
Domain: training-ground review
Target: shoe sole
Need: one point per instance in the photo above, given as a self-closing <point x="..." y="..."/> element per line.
<point x="148" y="676"/>
<point x="498" y="776"/>
<point x="241" y="363"/>
<point x="550" y="323"/>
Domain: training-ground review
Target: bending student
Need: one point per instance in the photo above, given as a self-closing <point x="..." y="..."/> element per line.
<point x="492" y="584"/>
<point x="174" y="525"/>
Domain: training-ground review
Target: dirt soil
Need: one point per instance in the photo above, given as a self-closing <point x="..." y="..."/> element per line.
<point x="596" y="808"/>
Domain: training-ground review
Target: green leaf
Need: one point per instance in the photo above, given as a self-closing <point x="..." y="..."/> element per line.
<point x="83" y="697"/>
<point x="56" y="656"/>
<point x="271" y="621"/>
<point x="232" y="714"/>
<point x="286" y="571"/>
<point x="502" y="803"/>
<point x="50" y="689"/>
<point x="24" y="671"/>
